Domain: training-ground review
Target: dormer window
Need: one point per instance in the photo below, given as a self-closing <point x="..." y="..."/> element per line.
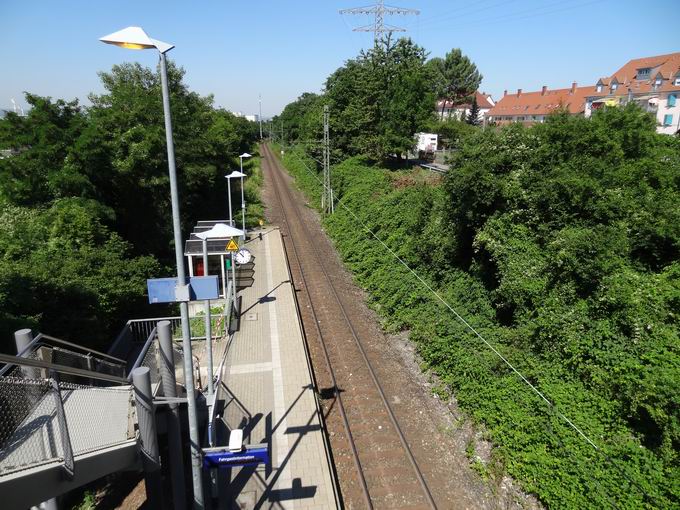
<point x="677" y="80"/>
<point x="643" y="74"/>
<point x="599" y="87"/>
<point x="614" y="86"/>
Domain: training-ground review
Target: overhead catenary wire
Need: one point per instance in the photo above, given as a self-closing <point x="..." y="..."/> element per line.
<point x="534" y="12"/>
<point x="456" y="12"/>
<point x="474" y="331"/>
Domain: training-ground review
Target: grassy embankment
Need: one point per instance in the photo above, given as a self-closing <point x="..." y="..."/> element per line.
<point x="533" y="442"/>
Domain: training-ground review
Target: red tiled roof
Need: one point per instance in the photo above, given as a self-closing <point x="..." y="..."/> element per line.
<point x="539" y="103"/>
<point x="483" y="101"/>
<point x="668" y="66"/>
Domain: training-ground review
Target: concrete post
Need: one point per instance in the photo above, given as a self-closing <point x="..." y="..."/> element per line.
<point x="174" y="428"/>
<point x="22" y="338"/>
<point x="146" y="419"/>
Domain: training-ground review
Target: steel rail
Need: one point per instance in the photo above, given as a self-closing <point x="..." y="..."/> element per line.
<point x="36" y="363"/>
<point x="331" y="372"/>
<point x="83" y="348"/>
<point x="390" y="412"/>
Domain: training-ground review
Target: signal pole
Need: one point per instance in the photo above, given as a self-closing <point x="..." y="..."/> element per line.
<point x="378" y="10"/>
<point x="327" y="196"/>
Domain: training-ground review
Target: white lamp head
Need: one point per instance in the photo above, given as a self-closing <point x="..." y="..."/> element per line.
<point x="134" y="38"/>
<point x="235" y="173"/>
<point x="220" y="231"/>
<point x="246" y="155"/>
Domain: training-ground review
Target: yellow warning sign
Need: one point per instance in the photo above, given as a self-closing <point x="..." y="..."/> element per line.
<point x="232" y="246"/>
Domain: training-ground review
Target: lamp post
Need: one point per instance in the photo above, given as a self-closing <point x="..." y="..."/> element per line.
<point x="243" y="200"/>
<point x="231" y="221"/>
<point x="219" y="231"/>
<point x="136" y="39"/>
<point x="233" y="175"/>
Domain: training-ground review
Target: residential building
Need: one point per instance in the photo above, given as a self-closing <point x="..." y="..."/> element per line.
<point x="534" y="107"/>
<point x="651" y="82"/>
<point x="461" y="111"/>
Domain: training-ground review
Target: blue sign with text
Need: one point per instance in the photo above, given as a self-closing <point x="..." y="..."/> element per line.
<point x="201" y="288"/>
<point x="223" y="458"/>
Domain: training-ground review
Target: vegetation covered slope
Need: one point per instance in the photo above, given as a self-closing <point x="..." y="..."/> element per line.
<point x="559" y="244"/>
<point x="85" y="200"/>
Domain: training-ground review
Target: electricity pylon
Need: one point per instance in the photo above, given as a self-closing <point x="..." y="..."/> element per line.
<point x="379" y="10"/>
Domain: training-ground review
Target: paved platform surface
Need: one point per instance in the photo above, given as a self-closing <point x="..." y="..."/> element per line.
<point x="270" y="393"/>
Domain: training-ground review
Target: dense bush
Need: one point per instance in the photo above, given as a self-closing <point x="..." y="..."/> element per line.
<point x="559" y="244"/>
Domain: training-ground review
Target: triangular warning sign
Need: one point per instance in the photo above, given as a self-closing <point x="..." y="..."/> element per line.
<point x="232" y="246"/>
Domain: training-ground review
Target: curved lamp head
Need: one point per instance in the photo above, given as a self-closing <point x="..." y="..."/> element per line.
<point x="235" y="173"/>
<point x="246" y="155"/>
<point x="134" y="38"/>
<point x="220" y="231"/>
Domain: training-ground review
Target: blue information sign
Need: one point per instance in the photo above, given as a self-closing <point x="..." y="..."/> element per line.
<point x="201" y="288"/>
<point x="223" y="458"/>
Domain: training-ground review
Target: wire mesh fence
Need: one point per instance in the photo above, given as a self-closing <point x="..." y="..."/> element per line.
<point x="45" y="422"/>
<point x="151" y="361"/>
<point x="31" y="432"/>
<point x="97" y="417"/>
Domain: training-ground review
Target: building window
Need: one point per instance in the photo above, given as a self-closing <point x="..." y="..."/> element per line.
<point x="599" y="87"/>
<point x="667" y="120"/>
<point x="677" y="81"/>
<point x="644" y="73"/>
<point x="672" y="98"/>
<point x="614" y="86"/>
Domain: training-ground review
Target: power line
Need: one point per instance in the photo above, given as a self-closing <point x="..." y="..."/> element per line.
<point x="379" y="10"/>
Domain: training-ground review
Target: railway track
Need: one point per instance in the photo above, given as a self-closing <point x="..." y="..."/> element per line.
<point x="376" y="466"/>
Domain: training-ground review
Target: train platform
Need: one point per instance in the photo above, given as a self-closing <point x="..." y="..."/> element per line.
<point x="269" y="394"/>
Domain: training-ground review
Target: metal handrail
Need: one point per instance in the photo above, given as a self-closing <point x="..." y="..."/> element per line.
<point x="142" y="353"/>
<point x="42" y="340"/>
<point x="29" y="346"/>
<point x="83" y="348"/>
<point x="37" y="363"/>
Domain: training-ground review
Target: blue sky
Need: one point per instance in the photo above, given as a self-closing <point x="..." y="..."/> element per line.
<point x="236" y="49"/>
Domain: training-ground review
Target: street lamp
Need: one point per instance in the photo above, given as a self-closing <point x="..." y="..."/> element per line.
<point x="219" y="231"/>
<point x="231" y="176"/>
<point x="243" y="201"/>
<point x="244" y="155"/>
<point x="135" y="38"/>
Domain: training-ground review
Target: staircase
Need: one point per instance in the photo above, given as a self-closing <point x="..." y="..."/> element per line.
<point x="68" y="416"/>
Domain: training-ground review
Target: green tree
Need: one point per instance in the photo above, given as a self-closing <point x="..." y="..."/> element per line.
<point x="379" y="100"/>
<point x="84" y="199"/>
<point x="40" y="141"/>
<point x="453" y="78"/>
<point x="473" y="115"/>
